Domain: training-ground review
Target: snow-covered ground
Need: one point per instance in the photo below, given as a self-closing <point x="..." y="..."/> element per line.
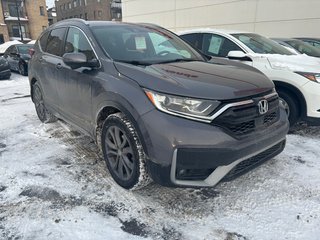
<point x="54" y="185"/>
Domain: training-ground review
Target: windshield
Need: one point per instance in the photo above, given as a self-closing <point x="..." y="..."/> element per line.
<point x="143" y="45"/>
<point x="260" y="44"/>
<point x="24" y="49"/>
<point x="303" y="47"/>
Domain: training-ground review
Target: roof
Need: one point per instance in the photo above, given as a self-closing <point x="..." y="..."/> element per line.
<point x="98" y="23"/>
<point x="212" y="30"/>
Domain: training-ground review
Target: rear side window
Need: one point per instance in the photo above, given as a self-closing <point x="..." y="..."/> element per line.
<point x="194" y="39"/>
<point x="55" y="41"/>
<point x="218" y="46"/>
<point x="77" y="43"/>
<point x="43" y="41"/>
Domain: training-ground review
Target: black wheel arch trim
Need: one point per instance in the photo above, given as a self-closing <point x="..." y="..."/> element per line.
<point x="293" y="90"/>
<point x="132" y="115"/>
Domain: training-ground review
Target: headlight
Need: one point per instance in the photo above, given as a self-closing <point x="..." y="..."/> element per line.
<point x="315" y="77"/>
<point x="191" y="108"/>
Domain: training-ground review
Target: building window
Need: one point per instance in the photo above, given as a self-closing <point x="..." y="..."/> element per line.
<point x="42" y="11"/>
<point x="99" y="13"/>
<point x="75" y="16"/>
<point x="64" y="6"/>
<point x="80" y="15"/>
<point x="79" y="2"/>
<point x="69" y="5"/>
<point x="16" y="31"/>
<point x="13" y="11"/>
<point x="85" y="2"/>
<point x="75" y="3"/>
<point x="1" y="39"/>
<point x="86" y="16"/>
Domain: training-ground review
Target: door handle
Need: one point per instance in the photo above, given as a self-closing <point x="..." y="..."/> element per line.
<point x="59" y="66"/>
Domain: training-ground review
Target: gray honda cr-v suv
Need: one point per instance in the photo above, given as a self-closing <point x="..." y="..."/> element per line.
<point x="154" y="105"/>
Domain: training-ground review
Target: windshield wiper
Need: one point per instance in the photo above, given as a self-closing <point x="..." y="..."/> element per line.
<point x="179" y="60"/>
<point x="134" y="62"/>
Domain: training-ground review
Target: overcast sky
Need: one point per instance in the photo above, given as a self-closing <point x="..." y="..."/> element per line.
<point x="50" y="3"/>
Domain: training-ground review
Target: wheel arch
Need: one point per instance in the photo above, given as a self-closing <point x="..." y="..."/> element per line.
<point x="294" y="91"/>
<point x="32" y="82"/>
<point x="110" y="107"/>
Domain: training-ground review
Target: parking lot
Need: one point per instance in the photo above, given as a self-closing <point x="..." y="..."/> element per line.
<point x="54" y="185"/>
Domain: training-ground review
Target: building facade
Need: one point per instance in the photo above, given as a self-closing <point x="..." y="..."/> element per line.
<point x="88" y="9"/>
<point x="4" y="35"/>
<point x="24" y="19"/>
<point x="273" y="18"/>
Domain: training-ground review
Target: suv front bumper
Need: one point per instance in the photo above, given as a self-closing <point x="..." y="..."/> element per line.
<point x="189" y="153"/>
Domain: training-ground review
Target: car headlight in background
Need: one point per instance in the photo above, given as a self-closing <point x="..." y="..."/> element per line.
<point x="197" y="109"/>
<point x="315" y="77"/>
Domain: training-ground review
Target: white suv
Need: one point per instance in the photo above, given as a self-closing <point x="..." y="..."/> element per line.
<point x="296" y="77"/>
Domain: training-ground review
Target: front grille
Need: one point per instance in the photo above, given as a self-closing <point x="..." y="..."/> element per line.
<point x="254" y="161"/>
<point x="242" y="120"/>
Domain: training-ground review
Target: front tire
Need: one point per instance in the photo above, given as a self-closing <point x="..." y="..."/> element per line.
<point x="23" y="69"/>
<point x="291" y="106"/>
<point x="123" y="152"/>
<point x="43" y="113"/>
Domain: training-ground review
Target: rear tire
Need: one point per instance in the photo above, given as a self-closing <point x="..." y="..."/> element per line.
<point x="123" y="152"/>
<point x="43" y="113"/>
<point x="291" y="106"/>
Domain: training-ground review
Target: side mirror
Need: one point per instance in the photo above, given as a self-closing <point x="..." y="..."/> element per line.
<point x="238" y="55"/>
<point x="78" y="60"/>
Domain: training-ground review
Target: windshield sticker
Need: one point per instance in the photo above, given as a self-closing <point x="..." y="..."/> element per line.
<point x="215" y="45"/>
<point x="140" y="43"/>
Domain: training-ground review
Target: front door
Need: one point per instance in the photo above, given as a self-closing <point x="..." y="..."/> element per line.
<point x="75" y="86"/>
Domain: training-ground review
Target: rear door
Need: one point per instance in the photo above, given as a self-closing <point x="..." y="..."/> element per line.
<point x="50" y="62"/>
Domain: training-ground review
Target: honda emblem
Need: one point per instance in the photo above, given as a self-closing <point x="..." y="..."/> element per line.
<point x="263" y="106"/>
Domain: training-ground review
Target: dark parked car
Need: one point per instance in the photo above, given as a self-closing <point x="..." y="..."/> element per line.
<point x="5" y="72"/>
<point x="299" y="46"/>
<point x="315" y="42"/>
<point x="18" y="56"/>
<point x="156" y="110"/>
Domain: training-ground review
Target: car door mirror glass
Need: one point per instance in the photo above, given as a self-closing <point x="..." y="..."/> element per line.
<point x="238" y="55"/>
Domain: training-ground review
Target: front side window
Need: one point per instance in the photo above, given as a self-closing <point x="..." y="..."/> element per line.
<point x="24" y="49"/>
<point x="260" y="44"/>
<point x="77" y="43"/>
<point x="219" y="46"/>
<point x="55" y="40"/>
<point x="143" y="44"/>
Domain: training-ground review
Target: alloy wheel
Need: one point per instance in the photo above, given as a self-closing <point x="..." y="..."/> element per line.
<point x="119" y="152"/>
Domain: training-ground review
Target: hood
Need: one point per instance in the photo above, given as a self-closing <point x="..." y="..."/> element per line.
<point x="301" y="62"/>
<point x="198" y="79"/>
